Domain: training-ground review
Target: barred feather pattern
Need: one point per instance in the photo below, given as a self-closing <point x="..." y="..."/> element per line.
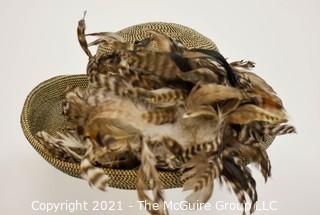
<point x="155" y="104"/>
<point x="94" y="175"/>
<point x="81" y="151"/>
<point x="240" y="182"/>
<point x="65" y="147"/>
<point x="199" y="174"/>
<point x="149" y="172"/>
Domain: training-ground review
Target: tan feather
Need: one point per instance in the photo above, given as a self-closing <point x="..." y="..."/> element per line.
<point x="65" y="146"/>
<point x="212" y="93"/>
<point x="81" y="35"/>
<point x="249" y="113"/>
<point x="243" y="64"/>
<point x="149" y="172"/>
<point x="278" y="129"/>
<point x="94" y="175"/>
<point x="203" y="75"/>
<point x="156" y="63"/>
<point x="199" y="176"/>
<point x="260" y="87"/>
<point x="160" y="116"/>
<point x="165" y="96"/>
<point x="163" y="42"/>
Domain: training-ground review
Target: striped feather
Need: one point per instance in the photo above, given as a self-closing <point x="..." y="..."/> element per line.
<point x="210" y="168"/>
<point x="81" y="36"/>
<point x="95" y="176"/>
<point x="160" y="116"/>
<point x="149" y="172"/>
<point x="240" y="181"/>
<point x="165" y="96"/>
<point x="199" y="174"/>
<point x="278" y="129"/>
<point x="249" y="113"/>
<point x="213" y="93"/>
<point x="203" y="75"/>
<point x="156" y="63"/>
<point x="64" y="146"/>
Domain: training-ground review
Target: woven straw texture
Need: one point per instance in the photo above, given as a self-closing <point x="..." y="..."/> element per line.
<point x="43" y="107"/>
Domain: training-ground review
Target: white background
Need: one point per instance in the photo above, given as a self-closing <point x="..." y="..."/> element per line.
<point x="38" y="41"/>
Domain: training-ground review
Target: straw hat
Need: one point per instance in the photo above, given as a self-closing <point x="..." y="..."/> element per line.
<point x="43" y="107"/>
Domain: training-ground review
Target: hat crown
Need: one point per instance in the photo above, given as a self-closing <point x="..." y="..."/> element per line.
<point x="187" y="36"/>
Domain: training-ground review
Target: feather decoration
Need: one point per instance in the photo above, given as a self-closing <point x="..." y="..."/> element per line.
<point x="149" y="171"/>
<point x="154" y="104"/>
